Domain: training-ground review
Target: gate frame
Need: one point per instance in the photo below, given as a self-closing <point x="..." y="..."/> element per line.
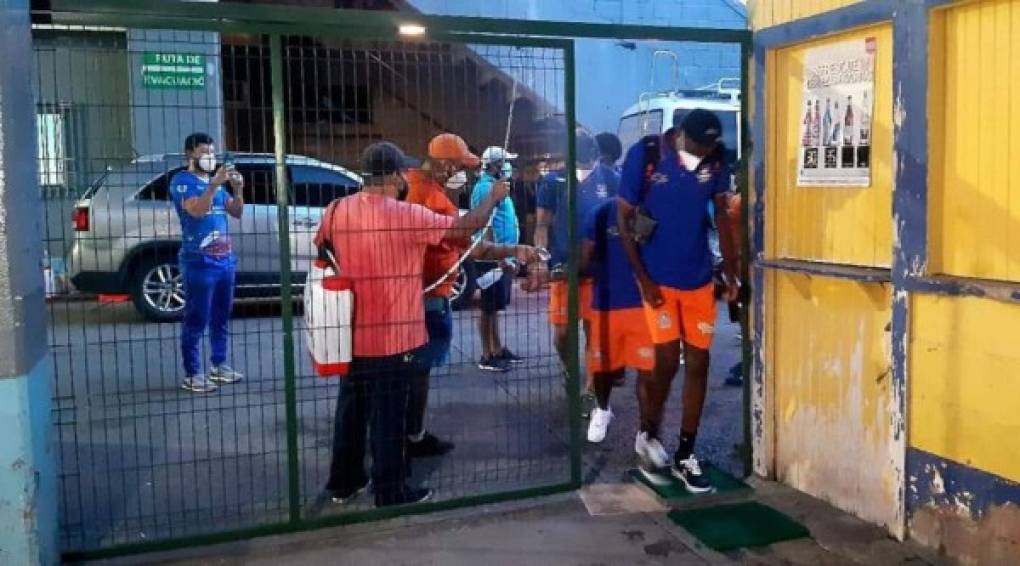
<point x="278" y="21"/>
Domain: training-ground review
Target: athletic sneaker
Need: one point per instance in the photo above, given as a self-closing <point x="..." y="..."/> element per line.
<point x="652" y="458"/>
<point x="225" y="374"/>
<point x="493" y="364"/>
<point x="342" y="498"/>
<point x="599" y="425"/>
<point x="198" y="384"/>
<point x="509" y="357"/>
<point x="689" y="473"/>
<point x="408" y="497"/>
<point x="429" y="445"/>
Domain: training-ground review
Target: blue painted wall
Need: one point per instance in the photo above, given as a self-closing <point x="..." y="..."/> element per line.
<point x="611" y="77"/>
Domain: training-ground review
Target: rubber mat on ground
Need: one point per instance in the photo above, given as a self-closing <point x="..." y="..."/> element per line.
<point x="738" y="525"/>
<point x="670" y="489"/>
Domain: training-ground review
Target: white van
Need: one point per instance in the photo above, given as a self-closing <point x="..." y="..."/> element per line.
<point x="655" y="113"/>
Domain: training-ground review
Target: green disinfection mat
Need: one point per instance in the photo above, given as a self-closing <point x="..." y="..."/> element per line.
<point x="738" y="525"/>
<point x="722" y="483"/>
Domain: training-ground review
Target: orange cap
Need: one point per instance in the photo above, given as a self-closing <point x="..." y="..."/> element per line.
<point x="452" y="147"/>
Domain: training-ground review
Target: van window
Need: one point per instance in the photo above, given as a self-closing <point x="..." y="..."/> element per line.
<point x="634" y="127"/>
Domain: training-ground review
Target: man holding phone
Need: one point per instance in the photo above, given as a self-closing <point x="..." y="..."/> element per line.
<point x="202" y="202"/>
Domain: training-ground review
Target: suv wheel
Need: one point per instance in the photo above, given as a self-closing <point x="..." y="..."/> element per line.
<point x="157" y="288"/>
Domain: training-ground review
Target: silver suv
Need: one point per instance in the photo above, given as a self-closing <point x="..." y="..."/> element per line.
<point x="127" y="235"/>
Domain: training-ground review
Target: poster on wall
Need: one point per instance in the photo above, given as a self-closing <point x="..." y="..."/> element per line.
<point x="835" y="131"/>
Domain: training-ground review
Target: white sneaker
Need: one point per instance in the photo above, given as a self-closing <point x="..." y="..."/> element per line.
<point x="198" y="384"/>
<point x="653" y="461"/>
<point x="689" y="472"/>
<point x="225" y="374"/>
<point x="599" y="425"/>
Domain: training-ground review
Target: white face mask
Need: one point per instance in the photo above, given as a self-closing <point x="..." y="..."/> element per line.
<point x="690" y="161"/>
<point x="457" y="181"/>
<point x="207" y="162"/>
<point x="582" y="174"/>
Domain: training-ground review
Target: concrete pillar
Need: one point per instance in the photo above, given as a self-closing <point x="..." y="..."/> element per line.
<point x="28" y="490"/>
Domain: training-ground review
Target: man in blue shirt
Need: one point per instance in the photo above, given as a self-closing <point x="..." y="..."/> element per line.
<point x="674" y="272"/>
<point x="597" y="183"/>
<point x="618" y="335"/>
<point x="207" y="263"/>
<point x="505" y="231"/>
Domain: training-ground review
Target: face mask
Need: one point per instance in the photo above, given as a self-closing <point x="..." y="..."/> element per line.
<point x="689" y="160"/>
<point x="582" y="174"/>
<point x="508" y="170"/>
<point x="207" y="162"/>
<point x="457" y="181"/>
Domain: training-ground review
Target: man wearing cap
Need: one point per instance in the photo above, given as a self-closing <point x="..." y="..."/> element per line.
<point x="448" y="155"/>
<point x="505" y="231"/>
<point x="673" y="266"/>
<point x="596" y="183"/>
<point x="379" y="242"/>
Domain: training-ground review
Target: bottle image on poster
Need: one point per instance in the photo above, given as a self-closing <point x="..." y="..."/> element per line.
<point x="841" y="74"/>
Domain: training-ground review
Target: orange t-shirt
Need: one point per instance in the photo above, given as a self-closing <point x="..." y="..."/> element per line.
<point x="439" y="259"/>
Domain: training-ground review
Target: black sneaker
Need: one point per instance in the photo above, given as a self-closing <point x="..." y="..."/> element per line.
<point x="345" y="496"/>
<point x="430" y="445"/>
<point x="509" y="357"/>
<point x="689" y="473"/>
<point x="410" y="496"/>
<point x="493" y="364"/>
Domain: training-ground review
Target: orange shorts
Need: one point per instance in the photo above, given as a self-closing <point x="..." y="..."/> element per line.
<point x="558" y="295"/>
<point x="683" y="315"/>
<point x="619" y="339"/>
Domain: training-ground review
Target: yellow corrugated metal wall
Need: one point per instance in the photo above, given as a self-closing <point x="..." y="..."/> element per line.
<point x="831" y="373"/>
<point x="974" y="188"/>
<point x="965" y="382"/>
<point x="832" y="224"/>
<point x="774" y="12"/>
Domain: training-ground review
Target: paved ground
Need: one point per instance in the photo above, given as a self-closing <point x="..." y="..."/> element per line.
<point x="141" y="460"/>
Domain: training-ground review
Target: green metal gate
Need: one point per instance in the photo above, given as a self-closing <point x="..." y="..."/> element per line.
<point x="294" y="94"/>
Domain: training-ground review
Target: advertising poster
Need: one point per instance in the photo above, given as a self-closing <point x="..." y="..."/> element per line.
<point x="835" y="130"/>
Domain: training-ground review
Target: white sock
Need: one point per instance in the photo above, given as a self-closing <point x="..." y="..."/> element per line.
<point x="417" y="437"/>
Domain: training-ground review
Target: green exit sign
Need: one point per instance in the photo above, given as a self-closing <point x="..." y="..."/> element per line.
<point x="184" y="71"/>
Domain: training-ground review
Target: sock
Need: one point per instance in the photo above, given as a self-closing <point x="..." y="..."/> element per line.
<point x="686" y="447"/>
<point x="417" y="437"/>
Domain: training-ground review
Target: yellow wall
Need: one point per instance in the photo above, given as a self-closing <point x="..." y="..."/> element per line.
<point x="831" y="224"/>
<point x="829" y="365"/>
<point x="975" y="141"/>
<point x="965" y="382"/>
<point x="766" y="13"/>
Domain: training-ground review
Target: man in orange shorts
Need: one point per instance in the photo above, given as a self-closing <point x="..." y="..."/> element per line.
<point x="618" y="336"/>
<point x="664" y="198"/>
<point x="597" y="182"/>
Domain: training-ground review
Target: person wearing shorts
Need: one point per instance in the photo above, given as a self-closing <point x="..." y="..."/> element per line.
<point x="673" y="266"/>
<point x="597" y="182"/>
<point x="618" y="336"/>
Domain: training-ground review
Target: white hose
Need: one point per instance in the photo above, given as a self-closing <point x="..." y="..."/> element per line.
<point x="488" y="224"/>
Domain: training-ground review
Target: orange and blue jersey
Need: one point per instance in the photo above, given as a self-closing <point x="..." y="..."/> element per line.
<point x="676" y="254"/>
<point x="615" y="287"/>
<point x="599" y="186"/>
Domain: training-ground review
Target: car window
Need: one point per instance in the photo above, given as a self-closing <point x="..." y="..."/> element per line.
<point x="636" y="126"/>
<point x="158" y="188"/>
<point x="258" y="182"/>
<point x="318" y="186"/>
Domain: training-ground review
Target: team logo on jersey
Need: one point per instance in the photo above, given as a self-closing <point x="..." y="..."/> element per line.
<point x="665" y="321"/>
<point x="181" y="188"/>
<point x="704" y="175"/>
<point x="706" y="328"/>
<point x="601" y="190"/>
<point x="659" y="178"/>
<point x="613" y="231"/>
<point x="646" y="353"/>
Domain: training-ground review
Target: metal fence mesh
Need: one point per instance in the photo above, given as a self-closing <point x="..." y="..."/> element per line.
<point x="140" y="459"/>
